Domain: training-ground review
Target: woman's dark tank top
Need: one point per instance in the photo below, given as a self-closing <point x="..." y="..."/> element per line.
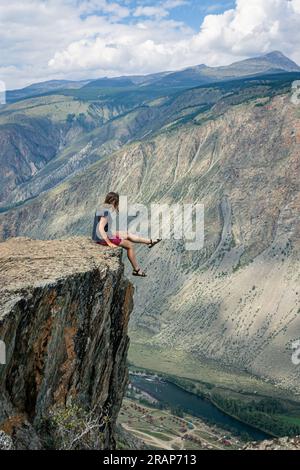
<point x="96" y="235"/>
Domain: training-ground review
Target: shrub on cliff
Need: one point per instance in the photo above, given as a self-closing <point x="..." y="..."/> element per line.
<point x="73" y="428"/>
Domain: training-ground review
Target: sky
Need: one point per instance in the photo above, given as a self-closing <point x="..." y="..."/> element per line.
<point x="84" y="39"/>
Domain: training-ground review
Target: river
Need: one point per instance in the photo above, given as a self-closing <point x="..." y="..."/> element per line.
<point x="174" y="396"/>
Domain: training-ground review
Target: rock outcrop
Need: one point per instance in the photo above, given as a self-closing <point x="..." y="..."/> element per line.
<point x="64" y="311"/>
<point x="6" y="442"/>
<point x="284" y="443"/>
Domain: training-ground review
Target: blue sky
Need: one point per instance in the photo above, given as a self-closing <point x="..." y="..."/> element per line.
<point x="80" y="39"/>
<point x="195" y="12"/>
<point x="191" y="12"/>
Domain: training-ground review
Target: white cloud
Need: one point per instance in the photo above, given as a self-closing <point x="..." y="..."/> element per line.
<point x="115" y="9"/>
<point x="91" y="38"/>
<point x="162" y="10"/>
<point x="151" y="11"/>
<point x="251" y="28"/>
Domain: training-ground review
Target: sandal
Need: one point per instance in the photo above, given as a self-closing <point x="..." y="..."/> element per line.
<point x="153" y="243"/>
<point x="139" y="273"/>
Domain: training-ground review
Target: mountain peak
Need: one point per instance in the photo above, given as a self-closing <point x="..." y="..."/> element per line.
<point x="279" y="59"/>
<point x="276" y="54"/>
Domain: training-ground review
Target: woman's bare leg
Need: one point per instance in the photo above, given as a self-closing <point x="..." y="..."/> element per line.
<point x="133" y="238"/>
<point x="136" y="239"/>
<point x="130" y="253"/>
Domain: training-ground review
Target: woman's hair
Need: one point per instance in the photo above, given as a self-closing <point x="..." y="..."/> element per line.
<point x="113" y="199"/>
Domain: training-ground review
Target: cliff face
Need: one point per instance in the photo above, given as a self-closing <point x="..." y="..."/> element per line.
<point x="64" y="311"/>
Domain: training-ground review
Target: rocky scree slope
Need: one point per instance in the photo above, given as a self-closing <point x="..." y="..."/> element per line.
<point x="64" y="312"/>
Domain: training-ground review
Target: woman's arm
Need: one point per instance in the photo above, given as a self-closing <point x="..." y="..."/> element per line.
<point x="102" y="224"/>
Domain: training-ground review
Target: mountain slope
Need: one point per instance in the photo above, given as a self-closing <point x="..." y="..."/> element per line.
<point x="25" y="148"/>
<point x="50" y="134"/>
<point x="88" y="130"/>
<point x="237" y="300"/>
<point x="42" y="88"/>
<point x="233" y="146"/>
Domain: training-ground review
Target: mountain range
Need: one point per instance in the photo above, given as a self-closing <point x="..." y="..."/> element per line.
<point x="228" y="137"/>
<point x="274" y="62"/>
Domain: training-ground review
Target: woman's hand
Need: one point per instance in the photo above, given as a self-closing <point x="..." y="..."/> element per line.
<point x="111" y="245"/>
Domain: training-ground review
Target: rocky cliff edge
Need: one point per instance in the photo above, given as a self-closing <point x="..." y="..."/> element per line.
<point x="64" y="311"/>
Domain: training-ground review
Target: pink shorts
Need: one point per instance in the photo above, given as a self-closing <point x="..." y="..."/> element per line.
<point x="115" y="241"/>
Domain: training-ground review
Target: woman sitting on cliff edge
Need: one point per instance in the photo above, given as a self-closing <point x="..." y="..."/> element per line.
<point x="103" y="235"/>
